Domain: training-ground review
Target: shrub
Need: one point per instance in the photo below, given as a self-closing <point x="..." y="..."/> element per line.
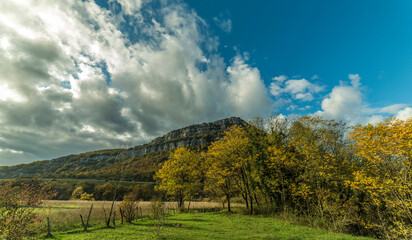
<point x="129" y="207"/>
<point x="18" y="216"/>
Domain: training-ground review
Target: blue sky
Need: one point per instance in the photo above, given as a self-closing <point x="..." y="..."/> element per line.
<point x="329" y="39"/>
<point x="83" y="75"/>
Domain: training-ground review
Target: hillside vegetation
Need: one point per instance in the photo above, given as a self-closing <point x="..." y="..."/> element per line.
<point x="137" y="163"/>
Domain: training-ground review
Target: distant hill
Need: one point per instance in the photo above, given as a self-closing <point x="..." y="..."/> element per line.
<point x="137" y="163"/>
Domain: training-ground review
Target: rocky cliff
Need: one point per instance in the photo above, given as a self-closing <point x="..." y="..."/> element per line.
<point x="191" y="136"/>
<point x="141" y="159"/>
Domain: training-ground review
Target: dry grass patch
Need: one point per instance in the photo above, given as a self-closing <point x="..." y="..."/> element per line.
<point x="66" y="214"/>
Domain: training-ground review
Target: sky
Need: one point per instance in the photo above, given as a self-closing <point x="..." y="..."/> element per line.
<point x="79" y="76"/>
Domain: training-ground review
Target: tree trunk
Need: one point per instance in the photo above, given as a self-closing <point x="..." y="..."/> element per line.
<point x="180" y="203"/>
<point x="228" y="203"/>
<point x="256" y="200"/>
<point x="246" y="200"/>
<point x="251" y="204"/>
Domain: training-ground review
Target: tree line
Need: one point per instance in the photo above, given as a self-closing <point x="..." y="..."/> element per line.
<point x="350" y="179"/>
<point x="86" y="190"/>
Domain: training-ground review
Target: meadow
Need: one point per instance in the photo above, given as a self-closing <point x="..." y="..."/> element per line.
<point x="195" y="224"/>
<point x="65" y="215"/>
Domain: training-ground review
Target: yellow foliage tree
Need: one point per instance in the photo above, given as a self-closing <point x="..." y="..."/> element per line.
<point x="311" y="167"/>
<point x="229" y="166"/>
<point x="180" y="176"/>
<point x="385" y="177"/>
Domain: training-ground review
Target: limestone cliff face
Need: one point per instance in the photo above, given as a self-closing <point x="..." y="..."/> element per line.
<point x="191" y="136"/>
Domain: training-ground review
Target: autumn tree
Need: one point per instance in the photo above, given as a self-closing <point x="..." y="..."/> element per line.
<point x="311" y="167"/>
<point x="129" y="207"/>
<point x="180" y="176"/>
<point x="384" y="181"/>
<point x="264" y="133"/>
<point x="230" y="165"/>
<point x="18" y="217"/>
<point x="79" y="194"/>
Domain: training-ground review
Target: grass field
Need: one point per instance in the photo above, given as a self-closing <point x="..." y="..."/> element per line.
<point x="195" y="225"/>
<point x="65" y="215"/>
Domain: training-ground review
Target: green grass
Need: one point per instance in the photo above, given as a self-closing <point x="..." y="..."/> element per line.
<point x="204" y="226"/>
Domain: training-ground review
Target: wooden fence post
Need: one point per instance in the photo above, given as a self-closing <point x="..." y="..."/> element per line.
<point x="49" y="235"/>
<point x="121" y="215"/>
<point x="81" y="218"/>
<point x="88" y="218"/>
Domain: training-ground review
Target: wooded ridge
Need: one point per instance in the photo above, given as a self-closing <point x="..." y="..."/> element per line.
<point x="136" y="163"/>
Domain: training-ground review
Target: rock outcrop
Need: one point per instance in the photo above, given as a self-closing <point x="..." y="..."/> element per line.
<point x="198" y="135"/>
<point x="191" y="136"/>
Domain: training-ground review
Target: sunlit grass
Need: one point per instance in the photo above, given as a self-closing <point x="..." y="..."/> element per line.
<point x="66" y="214"/>
<point x="195" y="225"/>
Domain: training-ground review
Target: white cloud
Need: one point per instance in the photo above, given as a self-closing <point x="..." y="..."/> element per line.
<point x="275" y="89"/>
<point x="314" y="77"/>
<point x="247" y="89"/>
<point x="90" y="83"/>
<point x="375" y="119"/>
<point x="223" y="22"/>
<point x="299" y="89"/>
<point x="280" y="78"/>
<point x="405" y="113"/>
<point x="345" y="103"/>
<point x="355" y="80"/>
<point x="392" y="109"/>
<point x="307" y="96"/>
<point x="300" y="86"/>
<point x="130" y="7"/>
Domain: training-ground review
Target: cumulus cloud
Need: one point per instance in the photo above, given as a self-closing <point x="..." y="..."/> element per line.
<point x="299" y="89"/>
<point x="246" y="88"/>
<point x="345" y="102"/>
<point x="78" y="77"/>
<point x="405" y="113"/>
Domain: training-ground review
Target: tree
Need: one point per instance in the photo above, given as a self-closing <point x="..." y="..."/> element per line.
<point x="229" y="166"/>
<point x="180" y="176"/>
<point x="384" y="179"/>
<point x="129" y="207"/>
<point x="310" y="167"/>
<point x="80" y="194"/>
<point x="18" y="216"/>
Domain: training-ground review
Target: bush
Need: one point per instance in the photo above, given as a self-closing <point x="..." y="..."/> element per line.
<point x="18" y="216"/>
<point x="157" y="208"/>
<point x="129" y="207"/>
